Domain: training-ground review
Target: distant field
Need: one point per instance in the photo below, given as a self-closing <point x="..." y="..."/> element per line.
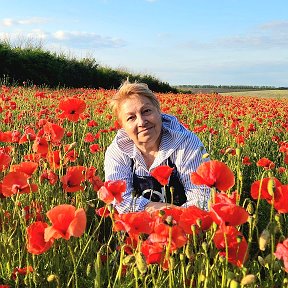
<point x="275" y="93"/>
<point x="261" y="93"/>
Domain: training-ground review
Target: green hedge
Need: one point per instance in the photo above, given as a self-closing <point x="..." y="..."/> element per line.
<point x="34" y="65"/>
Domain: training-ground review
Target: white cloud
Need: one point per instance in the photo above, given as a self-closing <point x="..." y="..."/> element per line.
<point x="80" y="39"/>
<point x="72" y="39"/>
<point x="8" y="22"/>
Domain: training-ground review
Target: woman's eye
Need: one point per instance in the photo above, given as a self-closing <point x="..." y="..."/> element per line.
<point x="130" y="118"/>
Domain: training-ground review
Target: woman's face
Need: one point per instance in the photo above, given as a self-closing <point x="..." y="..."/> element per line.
<point x="141" y="120"/>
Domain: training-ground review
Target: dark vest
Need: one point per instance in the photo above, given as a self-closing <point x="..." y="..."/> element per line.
<point x="150" y="188"/>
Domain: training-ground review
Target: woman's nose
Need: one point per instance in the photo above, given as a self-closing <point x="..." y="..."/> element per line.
<point x="142" y="121"/>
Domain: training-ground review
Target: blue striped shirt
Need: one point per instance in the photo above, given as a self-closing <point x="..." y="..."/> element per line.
<point x="182" y="146"/>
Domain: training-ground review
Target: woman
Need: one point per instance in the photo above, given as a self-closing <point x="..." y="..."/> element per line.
<point x="146" y="140"/>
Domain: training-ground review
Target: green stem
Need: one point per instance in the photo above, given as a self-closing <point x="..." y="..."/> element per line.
<point x="74" y="267"/>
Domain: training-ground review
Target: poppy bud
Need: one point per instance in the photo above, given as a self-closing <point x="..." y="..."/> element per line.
<point x="193" y="228"/>
<point x="271" y="186"/>
<point x="238" y="151"/>
<point x="264" y="239"/>
<point x="234" y="284"/>
<point x="202" y="277"/>
<point x="250" y="208"/>
<point x="277" y="218"/>
<point x="205" y="155"/>
<point x="172" y="263"/>
<point x="189" y="251"/>
<point x="199" y="222"/>
<point x="51" y="277"/>
<point x="204" y="246"/>
<point x="161" y="213"/>
<point x="214" y="226"/>
<point x="129" y="259"/>
<point x="169" y="220"/>
<point x="141" y="263"/>
<point x="248" y="279"/>
<point x="261" y="261"/>
<point x="239" y="238"/>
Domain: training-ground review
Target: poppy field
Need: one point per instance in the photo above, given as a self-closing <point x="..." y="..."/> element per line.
<point x="58" y="227"/>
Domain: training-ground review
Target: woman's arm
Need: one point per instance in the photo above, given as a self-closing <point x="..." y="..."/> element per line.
<point x="118" y="167"/>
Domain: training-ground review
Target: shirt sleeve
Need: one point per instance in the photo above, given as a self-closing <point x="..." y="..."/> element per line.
<point x="198" y="195"/>
<point x="117" y="166"/>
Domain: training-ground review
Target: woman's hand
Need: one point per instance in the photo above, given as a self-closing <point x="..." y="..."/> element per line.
<point x="153" y="206"/>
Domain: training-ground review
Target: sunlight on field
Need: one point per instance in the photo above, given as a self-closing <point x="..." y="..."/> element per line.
<point x="262" y="93"/>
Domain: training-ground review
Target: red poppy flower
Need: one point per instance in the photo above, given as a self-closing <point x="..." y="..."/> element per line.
<point x="6" y="137"/>
<point x="191" y="216"/>
<point x="246" y="161"/>
<point x="72" y="108"/>
<point x="35" y="237"/>
<point x="134" y="223"/>
<point x="281" y="170"/>
<point x="33" y="211"/>
<point x="35" y="157"/>
<point x="66" y="222"/>
<point x="40" y="145"/>
<point x="94" y="148"/>
<point x="260" y="188"/>
<point x="29" y="135"/>
<point x="162" y="174"/>
<point x="96" y="182"/>
<point x="236" y="244"/>
<point x="153" y="252"/>
<point x="228" y="214"/>
<point x="112" y="190"/>
<point x="5" y="160"/>
<point x="161" y="234"/>
<point x="103" y="212"/>
<point x="27" y="167"/>
<point x="70" y="153"/>
<point x="54" y="160"/>
<point x="50" y="176"/>
<point x="214" y="174"/>
<point x="73" y="179"/>
<point x="21" y="271"/>
<point x="92" y="123"/>
<point x="89" y="138"/>
<point x="281" y="199"/>
<point x="265" y="163"/>
<point x="17" y="182"/>
<point x="222" y="197"/>
<point x="282" y="253"/>
<point x="53" y="132"/>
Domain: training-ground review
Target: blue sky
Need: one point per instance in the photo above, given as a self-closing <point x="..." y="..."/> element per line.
<point x="216" y="42"/>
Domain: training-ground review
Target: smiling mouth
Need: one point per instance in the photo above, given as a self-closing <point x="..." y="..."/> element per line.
<point x="145" y="130"/>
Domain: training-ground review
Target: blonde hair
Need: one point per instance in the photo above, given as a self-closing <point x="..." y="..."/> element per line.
<point x="127" y="90"/>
